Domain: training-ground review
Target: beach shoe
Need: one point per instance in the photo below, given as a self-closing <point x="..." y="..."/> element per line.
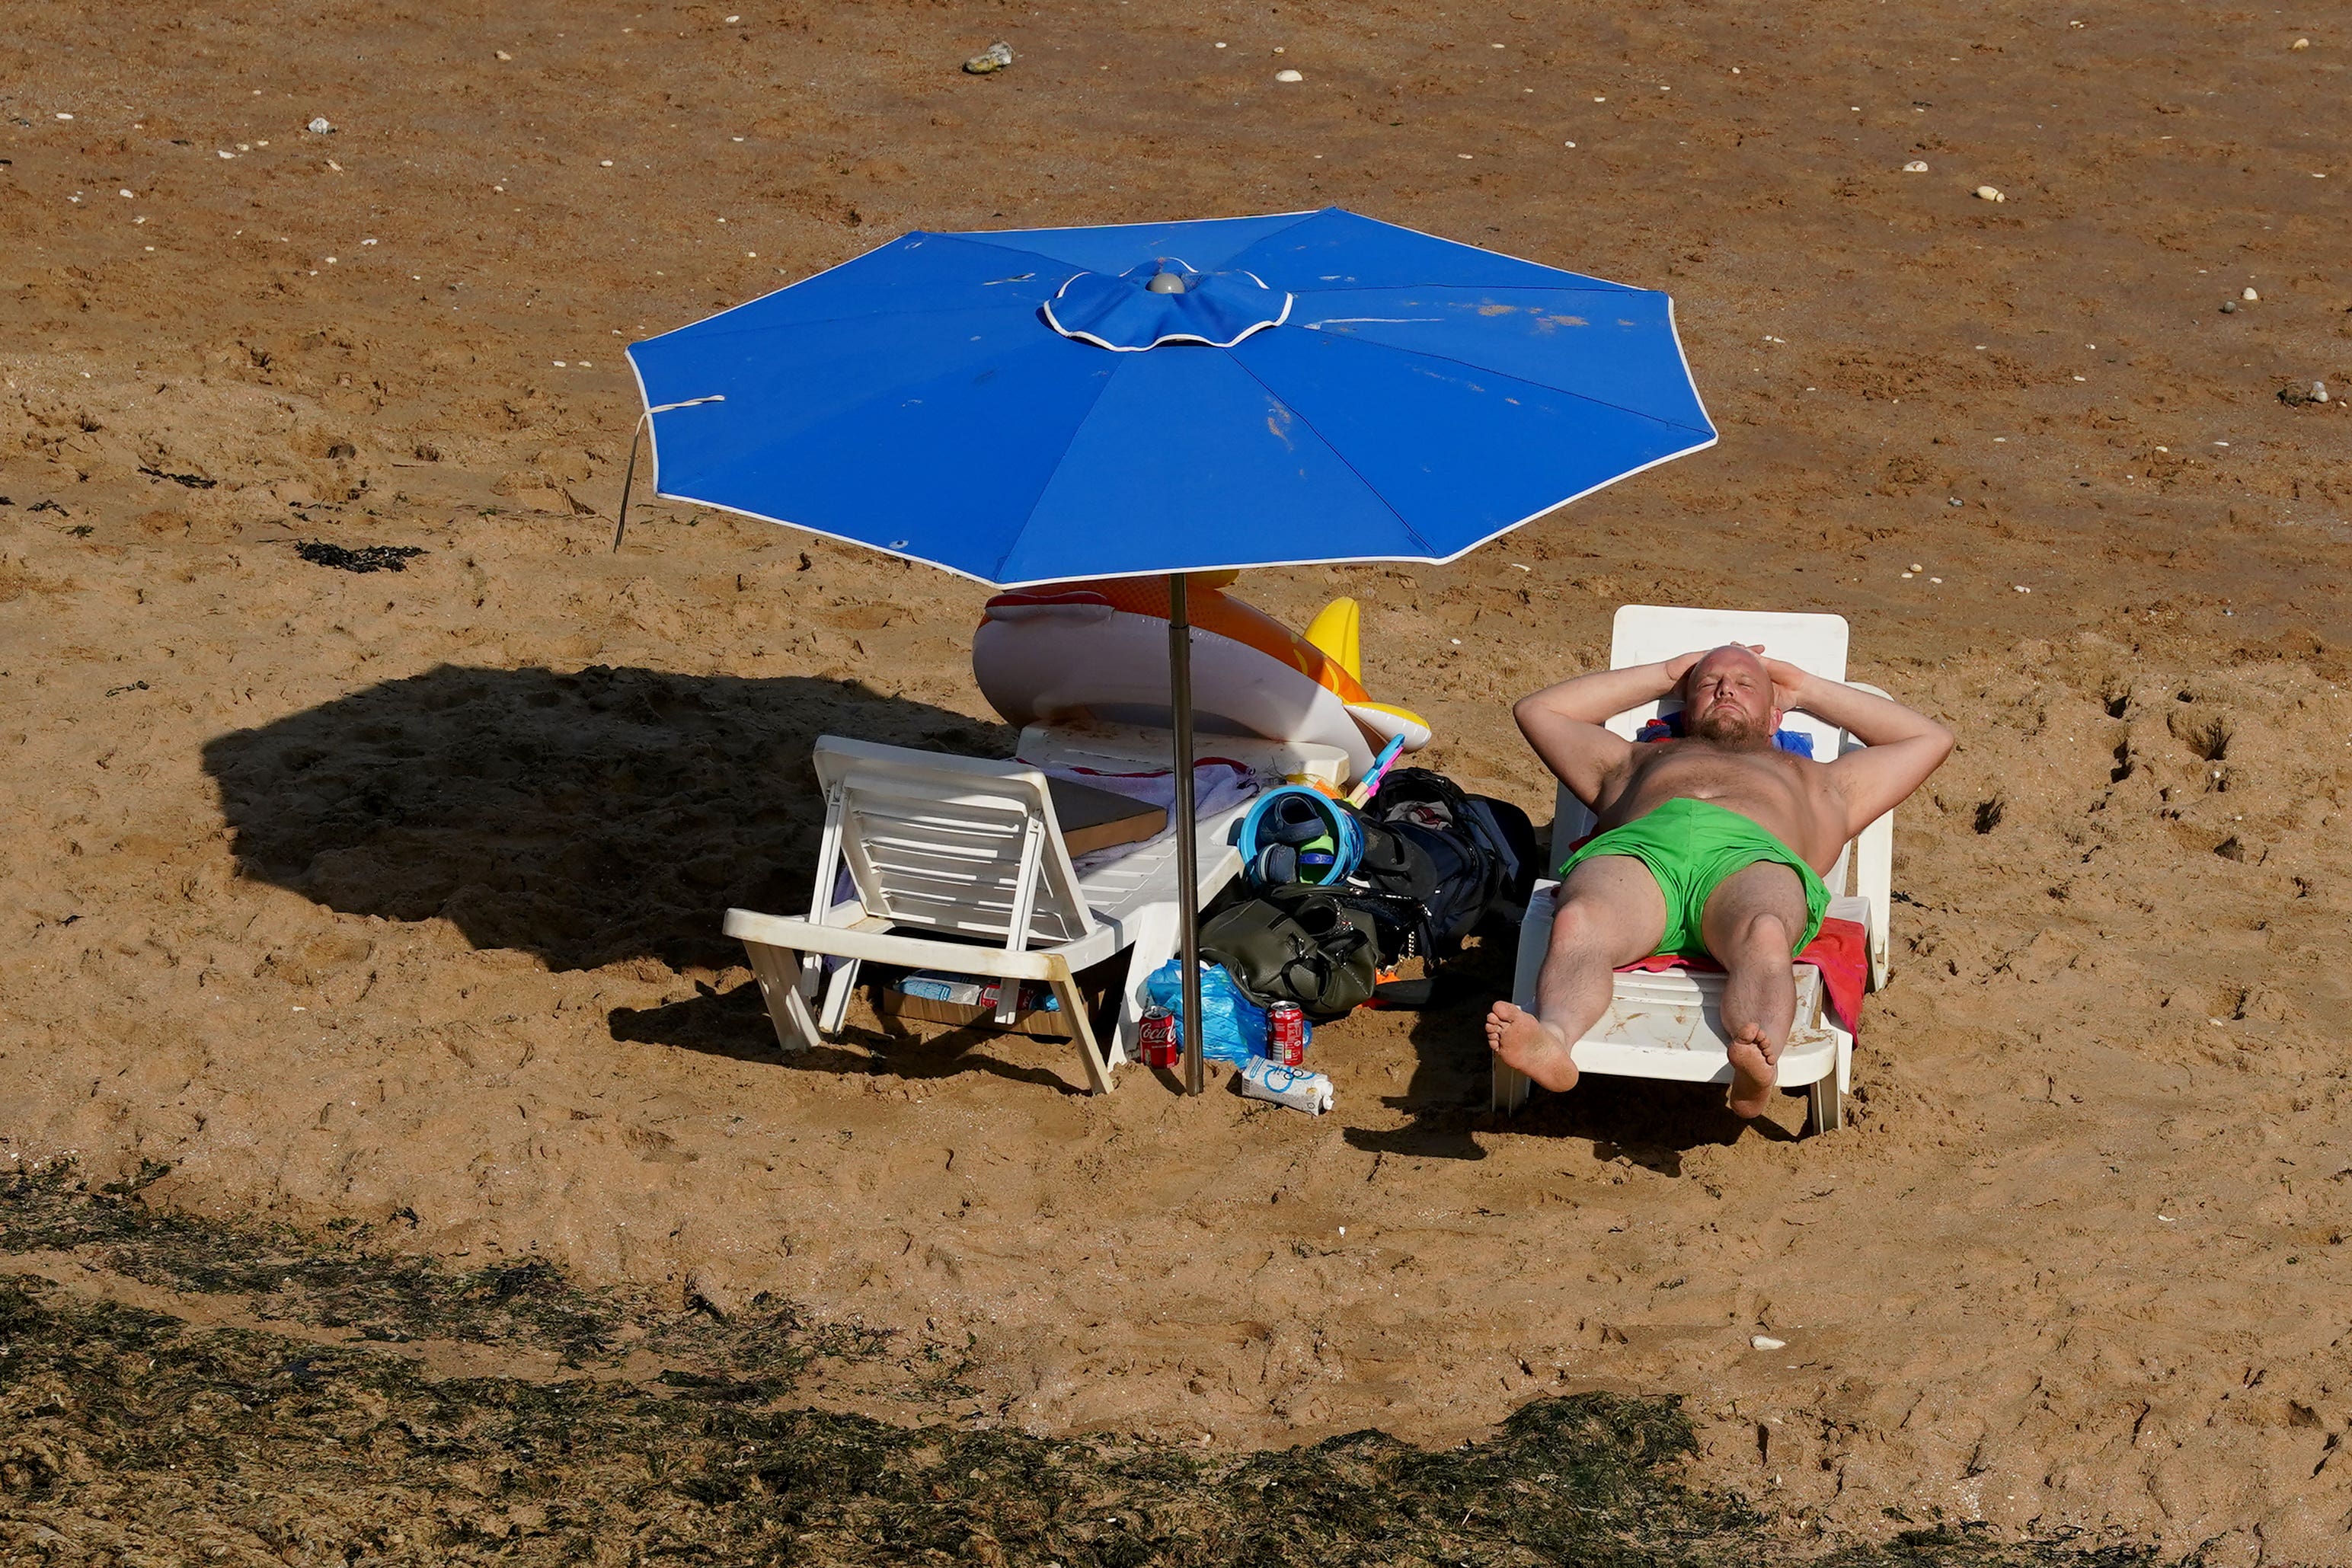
<point x="1293" y="819"/>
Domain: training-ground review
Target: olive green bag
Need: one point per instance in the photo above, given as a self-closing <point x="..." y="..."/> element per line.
<point x="1296" y="944"/>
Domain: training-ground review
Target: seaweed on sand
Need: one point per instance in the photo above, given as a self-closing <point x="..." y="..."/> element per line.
<point x="132" y="1435"/>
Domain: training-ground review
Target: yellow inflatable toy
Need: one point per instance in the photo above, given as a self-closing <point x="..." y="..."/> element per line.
<point x="1099" y="650"/>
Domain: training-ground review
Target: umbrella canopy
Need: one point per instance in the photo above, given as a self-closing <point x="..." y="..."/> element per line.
<point x="1039" y="405"/>
<point x="1032" y="406"/>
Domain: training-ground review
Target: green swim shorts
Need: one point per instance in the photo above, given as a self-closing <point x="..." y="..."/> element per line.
<point x="1690" y="847"/>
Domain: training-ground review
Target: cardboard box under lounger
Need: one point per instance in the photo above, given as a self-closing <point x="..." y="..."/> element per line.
<point x="980" y="1012"/>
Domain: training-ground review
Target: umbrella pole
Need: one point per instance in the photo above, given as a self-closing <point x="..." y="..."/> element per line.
<point x="1188" y="853"/>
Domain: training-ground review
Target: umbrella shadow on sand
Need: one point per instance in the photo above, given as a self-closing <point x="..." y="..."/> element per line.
<point x="1638" y="1122"/>
<point x="585" y="818"/>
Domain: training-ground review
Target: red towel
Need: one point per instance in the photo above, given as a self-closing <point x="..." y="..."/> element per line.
<point x="1841" y="952"/>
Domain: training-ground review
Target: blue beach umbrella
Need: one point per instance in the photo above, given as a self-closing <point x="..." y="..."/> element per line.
<point x="1039" y="405"/>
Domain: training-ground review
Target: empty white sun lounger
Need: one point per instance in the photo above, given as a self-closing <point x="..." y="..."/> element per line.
<point x="1670" y="1026"/>
<point x="957" y="863"/>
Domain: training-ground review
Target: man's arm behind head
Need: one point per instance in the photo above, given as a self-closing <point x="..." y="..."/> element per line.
<point x="1901" y="747"/>
<point x="1565" y="722"/>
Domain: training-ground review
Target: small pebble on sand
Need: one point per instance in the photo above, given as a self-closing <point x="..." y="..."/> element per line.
<point x="2021" y="588"/>
<point x="1956" y="501"/>
<point x="2249" y="296"/>
<point x="994" y="57"/>
<point x="65" y="117"/>
<point x="2229" y="307"/>
<point x="1766" y="1341"/>
<point x="604" y="162"/>
<point x="1916" y="166"/>
<point x="319" y="126"/>
<point x="504" y="56"/>
<point x="1916" y="567"/>
<point x="1990" y="194"/>
<point x="2300" y="44"/>
<point x="1288" y="75"/>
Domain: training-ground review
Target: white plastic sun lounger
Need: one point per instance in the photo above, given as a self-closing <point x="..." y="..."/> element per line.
<point x="967" y="853"/>
<point x="1670" y="1026"/>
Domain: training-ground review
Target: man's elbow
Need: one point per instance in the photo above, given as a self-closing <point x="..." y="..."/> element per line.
<point x="1528" y="713"/>
<point x="1943" y="739"/>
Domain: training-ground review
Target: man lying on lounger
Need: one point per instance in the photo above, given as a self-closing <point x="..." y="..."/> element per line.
<point x="1713" y="845"/>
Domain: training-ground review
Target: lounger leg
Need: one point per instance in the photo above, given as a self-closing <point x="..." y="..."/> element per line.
<point x="837" y="997"/>
<point x="1074" y="1003"/>
<point x="1510" y="1087"/>
<point x="779" y="974"/>
<point x="1825" y="1101"/>
<point x="1155" y="943"/>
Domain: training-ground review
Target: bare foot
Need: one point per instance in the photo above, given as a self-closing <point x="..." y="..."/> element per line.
<point x="1755" y="1068"/>
<point x="1531" y="1045"/>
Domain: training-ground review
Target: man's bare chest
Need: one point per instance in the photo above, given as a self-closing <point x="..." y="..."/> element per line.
<point x="1696" y="771"/>
<point x="1781" y="792"/>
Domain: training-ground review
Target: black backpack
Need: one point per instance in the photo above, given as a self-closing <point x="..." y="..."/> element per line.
<point x="1467" y="861"/>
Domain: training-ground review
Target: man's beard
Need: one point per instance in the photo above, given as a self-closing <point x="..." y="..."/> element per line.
<point x="1726" y="726"/>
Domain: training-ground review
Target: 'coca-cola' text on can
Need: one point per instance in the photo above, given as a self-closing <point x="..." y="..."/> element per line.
<point x="1286" y="1034"/>
<point x="1155" y="1038"/>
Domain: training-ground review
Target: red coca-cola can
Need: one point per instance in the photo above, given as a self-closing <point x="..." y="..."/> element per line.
<point x="1155" y="1038"/>
<point x="1286" y="1034"/>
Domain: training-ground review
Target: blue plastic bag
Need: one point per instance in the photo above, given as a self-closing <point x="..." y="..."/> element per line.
<point x="1233" y="1027"/>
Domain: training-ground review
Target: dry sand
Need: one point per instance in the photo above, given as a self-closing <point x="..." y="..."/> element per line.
<point x="396" y="896"/>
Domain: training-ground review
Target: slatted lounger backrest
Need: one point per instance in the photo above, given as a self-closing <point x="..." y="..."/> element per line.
<point x="955" y="844"/>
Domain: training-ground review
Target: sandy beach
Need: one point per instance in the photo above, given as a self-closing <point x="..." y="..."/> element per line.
<point x="393" y="899"/>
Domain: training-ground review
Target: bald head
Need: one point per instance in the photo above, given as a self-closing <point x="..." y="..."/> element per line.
<point x="1727" y="698"/>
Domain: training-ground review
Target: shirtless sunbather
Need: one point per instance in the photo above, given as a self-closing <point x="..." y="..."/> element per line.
<point x="1715" y="844"/>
